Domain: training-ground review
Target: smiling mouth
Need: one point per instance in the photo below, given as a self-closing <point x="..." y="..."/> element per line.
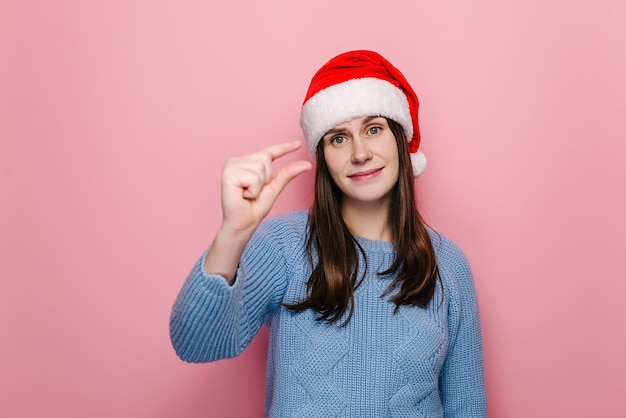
<point x="364" y="175"/>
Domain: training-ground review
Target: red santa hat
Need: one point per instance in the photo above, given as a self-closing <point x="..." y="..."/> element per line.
<point x="355" y="84"/>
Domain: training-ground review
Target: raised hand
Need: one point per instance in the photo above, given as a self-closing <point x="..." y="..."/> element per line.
<point x="250" y="186"/>
<point x="249" y="189"/>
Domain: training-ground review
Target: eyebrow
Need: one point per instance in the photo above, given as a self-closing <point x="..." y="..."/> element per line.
<point x="370" y="118"/>
<point x="339" y="130"/>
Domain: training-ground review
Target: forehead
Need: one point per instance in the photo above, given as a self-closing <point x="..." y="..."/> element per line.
<point x="355" y="122"/>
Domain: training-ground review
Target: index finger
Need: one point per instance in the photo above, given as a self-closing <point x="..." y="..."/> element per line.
<point x="278" y="150"/>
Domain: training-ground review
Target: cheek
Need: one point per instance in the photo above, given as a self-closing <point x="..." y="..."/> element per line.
<point x="389" y="150"/>
<point x="334" y="163"/>
<point x="335" y="174"/>
<point x="391" y="155"/>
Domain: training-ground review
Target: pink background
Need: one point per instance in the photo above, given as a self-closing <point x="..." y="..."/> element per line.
<point x="115" y="119"/>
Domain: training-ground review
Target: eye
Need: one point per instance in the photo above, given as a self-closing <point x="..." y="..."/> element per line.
<point x="338" y="141"/>
<point x="374" y="130"/>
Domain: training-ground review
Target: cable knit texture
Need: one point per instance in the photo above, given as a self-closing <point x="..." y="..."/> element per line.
<point x="420" y="362"/>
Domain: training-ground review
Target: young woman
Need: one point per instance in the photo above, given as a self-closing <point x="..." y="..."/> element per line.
<point x="370" y="312"/>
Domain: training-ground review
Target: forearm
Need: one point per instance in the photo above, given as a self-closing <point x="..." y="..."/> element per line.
<point x="225" y="252"/>
<point x="204" y="323"/>
<point x="212" y="319"/>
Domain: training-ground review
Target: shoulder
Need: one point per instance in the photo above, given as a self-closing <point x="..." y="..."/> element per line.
<point x="286" y="232"/>
<point x="276" y="248"/>
<point x="454" y="267"/>
<point x="289" y="224"/>
<point x="295" y="219"/>
<point x="448" y="253"/>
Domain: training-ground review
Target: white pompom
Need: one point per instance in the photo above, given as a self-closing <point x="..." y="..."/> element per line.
<point x="418" y="160"/>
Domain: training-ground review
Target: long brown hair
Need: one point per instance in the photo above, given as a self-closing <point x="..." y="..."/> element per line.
<point x="334" y="278"/>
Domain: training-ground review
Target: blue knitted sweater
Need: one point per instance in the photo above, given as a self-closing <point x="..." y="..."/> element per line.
<point x="420" y="362"/>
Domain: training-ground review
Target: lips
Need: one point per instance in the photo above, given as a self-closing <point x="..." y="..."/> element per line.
<point x="364" y="175"/>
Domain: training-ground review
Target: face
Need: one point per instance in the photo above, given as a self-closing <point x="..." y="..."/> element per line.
<point x="362" y="158"/>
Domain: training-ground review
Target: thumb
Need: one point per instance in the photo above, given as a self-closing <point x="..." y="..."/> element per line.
<point x="288" y="173"/>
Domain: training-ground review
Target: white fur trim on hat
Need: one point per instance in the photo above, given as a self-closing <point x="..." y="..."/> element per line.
<point x="353" y="98"/>
<point x="418" y="161"/>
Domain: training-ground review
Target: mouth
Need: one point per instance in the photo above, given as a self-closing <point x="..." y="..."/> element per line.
<point x="365" y="175"/>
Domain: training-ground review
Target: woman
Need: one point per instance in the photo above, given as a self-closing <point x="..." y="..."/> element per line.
<point x="370" y="313"/>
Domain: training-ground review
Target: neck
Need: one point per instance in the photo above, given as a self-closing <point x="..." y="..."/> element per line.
<point x="368" y="221"/>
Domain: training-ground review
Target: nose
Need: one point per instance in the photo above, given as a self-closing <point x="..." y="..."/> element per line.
<point x="360" y="151"/>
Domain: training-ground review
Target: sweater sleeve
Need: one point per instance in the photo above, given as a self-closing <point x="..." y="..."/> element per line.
<point x="462" y="378"/>
<point x="211" y="319"/>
